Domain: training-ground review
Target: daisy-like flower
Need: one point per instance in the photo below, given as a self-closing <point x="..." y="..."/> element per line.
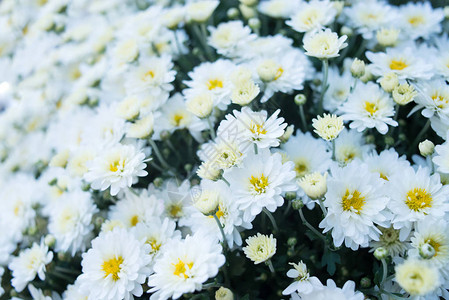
<point x="349" y="145"/>
<point x="433" y="233"/>
<point x="117" y="167"/>
<point x="420" y="20"/>
<point x="136" y="208"/>
<point x="402" y="61"/>
<point x="314" y="185"/>
<point x="369" y="106"/>
<point x="433" y="97"/>
<point x="303" y="283"/>
<point x="331" y="291"/>
<point x="28" y="264"/>
<point x="115" y="267"/>
<point x="260" y="247"/>
<point x="417" y="277"/>
<point x="415" y="195"/>
<point x="441" y="158"/>
<point x="312" y="15"/>
<point x="328" y="127"/>
<point x="338" y="90"/>
<point x="386" y="163"/>
<point x="259" y="183"/>
<point x="71" y="221"/>
<point x="389" y="240"/>
<point x="324" y="44"/>
<point x="307" y="153"/>
<point x="252" y="127"/>
<point x="355" y="204"/>
<point x="185" y="266"/>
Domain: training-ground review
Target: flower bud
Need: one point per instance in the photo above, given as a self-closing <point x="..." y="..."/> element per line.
<point x="358" y="68"/>
<point x="446" y="12"/>
<point x="403" y="94"/>
<point x="292" y="241"/>
<point x="200" y="105"/>
<point x="365" y="282"/>
<point x="142" y="128"/>
<point x="287" y="134"/>
<point x="345" y="30"/>
<point x="248" y="2"/>
<point x="297" y="204"/>
<point x="254" y="23"/>
<point x="389" y="82"/>
<point x="224" y="294"/>
<point x="426" y="148"/>
<point x="387" y="37"/>
<point x="314" y="185"/>
<point x="426" y="251"/>
<point x="267" y="70"/>
<point x="207" y="202"/>
<point x="49" y="240"/>
<point x="233" y="13"/>
<point x="300" y="99"/>
<point x="380" y="253"/>
<point x="247" y="12"/>
<point x="367" y="76"/>
<point x="60" y="159"/>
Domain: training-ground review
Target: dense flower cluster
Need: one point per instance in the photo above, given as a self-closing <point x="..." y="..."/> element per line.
<point x="156" y="149"/>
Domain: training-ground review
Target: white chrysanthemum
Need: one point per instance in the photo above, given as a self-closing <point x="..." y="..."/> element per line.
<point x="389" y="240"/>
<point x="213" y="78"/>
<point x="228" y="214"/>
<point x="230" y="38"/>
<point x="434" y="233"/>
<point x="417" y="277"/>
<point x="441" y="158"/>
<point x="136" y="208"/>
<point x="402" y="61"/>
<point x="338" y="91"/>
<point x="369" y="106"/>
<point x="70" y="221"/>
<point x="185" y="266"/>
<point x="200" y="11"/>
<point x="415" y="195"/>
<point x="355" y="204"/>
<point x="308" y="153"/>
<point x="278" y="8"/>
<point x="433" y="97"/>
<point x="328" y="126"/>
<point x="115" y="267"/>
<point x="386" y="163"/>
<point x="420" y="20"/>
<point x="303" y="283"/>
<point x="251" y="127"/>
<point x="331" y="291"/>
<point x="314" y="185"/>
<point x="324" y="44"/>
<point x="260" y="181"/>
<point x="260" y="247"/>
<point x="28" y="264"/>
<point x="349" y="145"/>
<point x="117" y="167"/>
<point x="369" y="16"/>
<point x="312" y="15"/>
<point x="73" y="292"/>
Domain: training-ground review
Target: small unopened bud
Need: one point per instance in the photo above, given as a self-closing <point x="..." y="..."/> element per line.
<point x="365" y="282"/>
<point x="233" y="13"/>
<point x="300" y="99"/>
<point x="188" y="167"/>
<point x="165" y="135"/>
<point x="207" y="202"/>
<point x="249" y="2"/>
<point x="426" y="251"/>
<point x="389" y="82"/>
<point x="247" y="12"/>
<point x="345" y="30"/>
<point x="290" y="196"/>
<point x="380" y="253"/>
<point x="49" y="240"/>
<point x="254" y="23"/>
<point x="367" y="76"/>
<point x="287" y="133"/>
<point x="426" y="148"/>
<point x="387" y="37"/>
<point x="292" y="241"/>
<point x="224" y="294"/>
<point x="297" y="204"/>
<point x="403" y="94"/>
<point x="158" y="181"/>
<point x="314" y="185"/>
<point x="370" y="139"/>
<point x="358" y="68"/>
<point x="389" y="140"/>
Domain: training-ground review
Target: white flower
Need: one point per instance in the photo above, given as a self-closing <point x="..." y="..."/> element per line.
<point x="331" y="291"/>
<point x="200" y="105"/>
<point x="28" y="264"/>
<point x="115" y="267"/>
<point x="441" y="158"/>
<point x="369" y="107"/>
<point x="278" y="8"/>
<point x="415" y="195"/>
<point x="426" y="148"/>
<point x="324" y="44"/>
<point x="417" y="277"/>
<point x="260" y="248"/>
<point x="312" y="15"/>
<point x="433" y="97"/>
<point x="117" y="167"/>
<point x="328" y="127"/>
<point x="349" y="145"/>
<point x="70" y="221"/>
<point x="185" y="266"/>
<point x="355" y="204"/>
<point x="259" y="182"/>
<point x="200" y="11"/>
<point x="386" y="163"/>
<point x="420" y="20"/>
<point x="338" y="90"/>
<point x="389" y="240"/>
<point x="314" y="185"/>
<point x="303" y="283"/>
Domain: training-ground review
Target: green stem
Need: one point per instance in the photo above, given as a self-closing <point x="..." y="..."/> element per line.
<point x="211" y="129"/>
<point x="308" y="225"/>
<point x="256" y="151"/>
<point x="158" y="154"/>
<point x="325" y="71"/>
<point x="323" y="209"/>
<point x="419" y="136"/>
<point x="384" y="272"/>
<point x="272" y="220"/>
<point x="227" y="182"/>
<point x="222" y="231"/>
<point x="303" y="118"/>
<point x="333" y="149"/>
<point x="270" y="266"/>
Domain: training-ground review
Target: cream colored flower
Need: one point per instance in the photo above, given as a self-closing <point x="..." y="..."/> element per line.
<point x="245" y="92"/>
<point x="314" y="185"/>
<point x="328" y="126"/>
<point x="389" y="82"/>
<point x="417" y="277"/>
<point x="324" y="44"/>
<point x="200" y="105"/>
<point x="207" y="202"/>
<point x="387" y="37"/>
<point x="404" y="94"/>
<point x="260" y="248"/>
<point x="141" y="128"/>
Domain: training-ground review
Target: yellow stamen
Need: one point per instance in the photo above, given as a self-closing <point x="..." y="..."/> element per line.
<point x="353" y="201"/>
<point x="112" y="267"/>
<point x="418" y="199"/>
<point x="259" y="184"/>
<point x="214" y="83"/>
<point x="398" y="65"/>
<point x="134" y="220"/>
<point x="180" y="268"/>
<point x="371" y="108"/>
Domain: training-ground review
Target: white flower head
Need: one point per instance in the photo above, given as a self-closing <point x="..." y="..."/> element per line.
<point x="331" y="291"/>
<point x="324" y="44"/>
<point x="303" y="283"/>
<point x="328" y="126"/>
<point x="312" y="15"/>
<point x="417" y="277"/>
<point x="260" y="247"/>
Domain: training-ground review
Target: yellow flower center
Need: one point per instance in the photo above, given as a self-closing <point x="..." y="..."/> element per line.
<point x="259" y="184"/>
<point x="371" y="108"/>
<point x="114" y="167"/>
<point x="435" y="245"/>
<point x="148" y="75"/>
<point x="181" y="268"/>
<point x="219" y="213"/>
<point x="440" y="100"/>
<point x="134" y="220"/>
<point x="175" y="210"/>
<point x="398" y="64"/>
<point x="383" y="176"/>
<point x="416" y="20"/>
<point x="353" y="201"/>
<point x="155" y="245"/>
<point x="257" y="128"/>
<point x="214" y="83"/>
<point x="279" y="73"/>
<point x="418" y="199"/>
<point x="301" y="168"/>
<point x="112" y="267"/>
<point x="177" y="118"/>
